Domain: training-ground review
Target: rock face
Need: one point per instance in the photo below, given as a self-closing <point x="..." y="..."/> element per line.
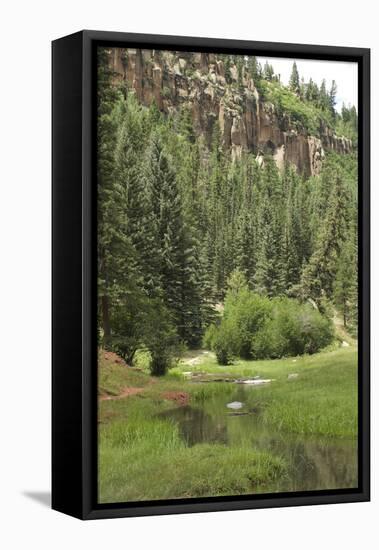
<point x="197" y="80"/>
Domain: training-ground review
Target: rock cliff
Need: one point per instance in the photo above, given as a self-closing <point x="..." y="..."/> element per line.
<point x="247" y="123"/>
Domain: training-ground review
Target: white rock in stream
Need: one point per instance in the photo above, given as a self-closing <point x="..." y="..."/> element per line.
<point x="235" y="405"/>
<point x="256" y="382"/>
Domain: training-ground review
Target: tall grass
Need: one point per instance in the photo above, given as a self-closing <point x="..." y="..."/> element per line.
<point x="148" y="460"/>
<point x="143" y="457"/>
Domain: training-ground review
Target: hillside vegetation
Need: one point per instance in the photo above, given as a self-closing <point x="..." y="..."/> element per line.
<point x="179" y="218"/>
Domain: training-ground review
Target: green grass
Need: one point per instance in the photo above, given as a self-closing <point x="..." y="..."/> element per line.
<point x="142" y="455"/>
<point x="322" y="400"/>
<point x="114" y="377"/>
<point x="147" y="460"/>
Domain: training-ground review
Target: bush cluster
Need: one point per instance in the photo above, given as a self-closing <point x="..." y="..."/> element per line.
<point x="257" y="327"/>
<point x="145" y="325"/>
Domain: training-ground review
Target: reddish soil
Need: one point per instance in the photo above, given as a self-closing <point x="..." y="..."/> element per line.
<point x="126" y="392"/>
<point x="180" y="397"/>
<point x="113" y="357"/>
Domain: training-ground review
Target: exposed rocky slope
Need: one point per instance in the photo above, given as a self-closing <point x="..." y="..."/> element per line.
<point x="246" y="122"/>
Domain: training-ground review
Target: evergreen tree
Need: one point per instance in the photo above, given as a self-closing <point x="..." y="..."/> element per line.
<point x="113" y="245"/>
<point x="303" y="89"/>
<point x="294" y="82"/>
<point x="245" y="252"/>
<point x="268" y="71"/>
<point x="135" y="197"/>
<point x="227" y="68"/>
<point x="240" y="69"/>
<point x="270" y="271"/>
<point x="319" y="275"/>
<point x="346" y="284"/>
<point x="324" y="96"/>
<point x="178" y="270"/>
<point x="179" y="218"/>
<point x="253" y="68"/>
<point x="333" y="98"/>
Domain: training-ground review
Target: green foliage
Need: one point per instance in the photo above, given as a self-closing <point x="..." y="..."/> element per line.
<point x="254" y="68"/>
<point x="346" y="285"/>
<point x="128" y="322"/>
<point x="181" y="222"/>
<point x="148" y="460"/>
<point x="220" y="340"/>
<point x="161" y="339"/>
<point x="268" y="71"/>
<point x="303" y="114"/>
<point x="294" y="83"/>
<point x="335" y="202"/>
<point x="143" y="456"/>
<point x="256" y="327"/>
<point x="347" y="124"/>
<point x="292" y="329"/>
<point x="245" y="315"/>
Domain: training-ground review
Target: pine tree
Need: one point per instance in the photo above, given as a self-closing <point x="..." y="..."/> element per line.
<point x="245" y="247"/>
<point x="270" y="267"/>
<point x="345" y="285"/>
<point x="268" y="71"/>
<point x="324" y="97"/>
<point x="178" y="270"/>
<point x="177" y="216"/>
<point x="113" y="245"/>
<point x="136" y="199"/>
<point x="294" y="82"/>
<point x="333" y="98"/>
<point x="292" y="229"/>
<point x="303" y="89"/>
<point x="227" y="68"/>
<point x="253" y="68"/>
<point x="319" y="275"/>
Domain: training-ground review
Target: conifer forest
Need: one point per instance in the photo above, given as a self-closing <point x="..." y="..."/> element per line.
<point x="227" y="248"/>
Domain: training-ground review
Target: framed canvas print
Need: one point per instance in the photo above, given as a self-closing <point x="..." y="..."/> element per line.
<point x="210" y="274"/>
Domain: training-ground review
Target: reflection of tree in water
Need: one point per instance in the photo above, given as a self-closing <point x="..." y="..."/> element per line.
<point x="316" y="465"/>
<point x="335" y="464"/>
<point x="197" y="426"/>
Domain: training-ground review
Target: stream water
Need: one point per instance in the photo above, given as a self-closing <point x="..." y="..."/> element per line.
<point x="315" y="463"/>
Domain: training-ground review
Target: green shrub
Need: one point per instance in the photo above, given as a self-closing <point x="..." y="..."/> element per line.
<point x="246" y="313"/>
<point x="128" y="322"/>
<point x="303" y="114"/>
<point x="293" y="329"/>
<point x="161" y="339"/>
<point x="220" y="340"/>
<point x="256" y="327"/>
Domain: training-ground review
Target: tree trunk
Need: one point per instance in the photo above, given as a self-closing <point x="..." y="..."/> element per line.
<point x="105" y="316"/>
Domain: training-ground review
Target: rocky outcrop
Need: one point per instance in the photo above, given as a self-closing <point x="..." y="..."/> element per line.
<point x="198" y="81"/>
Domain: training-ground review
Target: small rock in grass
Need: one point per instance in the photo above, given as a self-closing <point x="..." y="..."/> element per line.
<point x="292" y="376"/>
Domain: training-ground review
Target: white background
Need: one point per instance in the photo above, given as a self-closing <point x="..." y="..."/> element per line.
<point x="27" y="27"/>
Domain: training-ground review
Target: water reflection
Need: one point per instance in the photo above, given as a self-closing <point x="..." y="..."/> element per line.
<point x="314" y="462"/>
<point x="197" y="426"/>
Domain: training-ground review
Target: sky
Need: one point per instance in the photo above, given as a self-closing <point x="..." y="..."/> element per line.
<point x="344" y="73"/>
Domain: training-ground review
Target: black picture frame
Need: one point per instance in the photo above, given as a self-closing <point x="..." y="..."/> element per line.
<point x="74" y="372"/>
